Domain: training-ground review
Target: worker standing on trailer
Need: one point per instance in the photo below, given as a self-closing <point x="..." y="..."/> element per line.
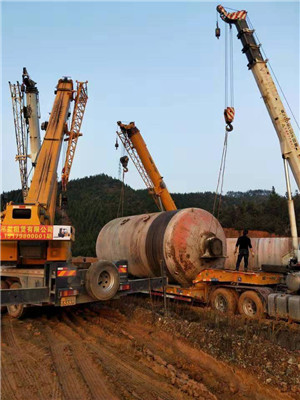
<point x="244" y="244"/>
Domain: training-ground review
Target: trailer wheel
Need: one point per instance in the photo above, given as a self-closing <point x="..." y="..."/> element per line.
<point x="102" y="280"/>
<point x="16" y="310"/>
<point x="4" y="285"/>
<point x="250" y="305"/>
<point x="224" y="300"/>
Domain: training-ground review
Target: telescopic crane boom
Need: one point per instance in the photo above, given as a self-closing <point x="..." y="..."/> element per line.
<point x="43" y="187"/>
<point x="288" y="141"/>
<point x="136" y="148"/>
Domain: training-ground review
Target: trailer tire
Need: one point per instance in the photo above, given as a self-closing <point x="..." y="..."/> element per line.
<point x="251" y="305"/>
<point x="16" y="310"/>
<point x="224" y="300"/>
<point x="102" y="280"/>
<point x="4" y="285"/>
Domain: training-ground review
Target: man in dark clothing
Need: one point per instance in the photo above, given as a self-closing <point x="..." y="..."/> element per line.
<point x="243" y="243"/>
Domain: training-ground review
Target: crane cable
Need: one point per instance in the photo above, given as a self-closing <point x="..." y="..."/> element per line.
<point x="123" y="162"/>
<point x="229" y="99"/>
<point x="120" y="212"/>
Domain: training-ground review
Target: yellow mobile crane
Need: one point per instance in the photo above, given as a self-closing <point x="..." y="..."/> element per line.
<point x="136" y="148"/>
<point x="289" y="145"/>
<point x="36" y="261"/>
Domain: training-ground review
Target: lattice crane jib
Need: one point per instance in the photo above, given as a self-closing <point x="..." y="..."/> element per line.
<point x="74" y="133"/>
<point x="17" y="97"/>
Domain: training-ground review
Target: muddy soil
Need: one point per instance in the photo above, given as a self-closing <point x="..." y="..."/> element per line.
<point x="127" y="349"/>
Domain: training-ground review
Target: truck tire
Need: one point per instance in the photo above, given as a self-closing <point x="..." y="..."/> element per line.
<point x="102" y="280"/>
<point x="4" y="285"/>
<point x="16" y="310"/>
<point x="251" y="305"/>
<point x="224" y="300"/>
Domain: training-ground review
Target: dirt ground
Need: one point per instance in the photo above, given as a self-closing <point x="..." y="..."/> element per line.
<point x="128" y="349"/>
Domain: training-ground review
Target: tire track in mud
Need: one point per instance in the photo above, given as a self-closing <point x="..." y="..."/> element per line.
<point x="93" y="378"/>
<point x="218" y="376"/>
<point x="156" y="355"/>
<point x="152" y="373"/>
<point x="24" y="378"/>
<point x="9" y="388"/>
<point x="66" y="368"/>
<point x="138" y="379"/>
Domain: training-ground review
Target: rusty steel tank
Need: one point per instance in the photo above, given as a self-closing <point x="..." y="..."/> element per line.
<point x="188" y="241"/>
<point x="272" y="251"/>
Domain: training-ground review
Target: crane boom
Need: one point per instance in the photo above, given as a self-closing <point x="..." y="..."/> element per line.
<point x="32" y="114"/>
<point x="78" y="112"/>
<point x="134" y="144"/>
<point x="21" y="133"/>
<point x="288" y="141"/>
<point x="43" y="187"/>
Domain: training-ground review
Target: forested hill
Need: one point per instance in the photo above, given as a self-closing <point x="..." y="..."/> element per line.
<point x="95" y="200"/>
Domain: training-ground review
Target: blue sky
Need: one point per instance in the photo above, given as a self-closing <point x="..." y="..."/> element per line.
<point x="160" y="65"/>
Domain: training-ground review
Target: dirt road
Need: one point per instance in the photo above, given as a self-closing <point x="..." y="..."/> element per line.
<point x="123" y="351"/>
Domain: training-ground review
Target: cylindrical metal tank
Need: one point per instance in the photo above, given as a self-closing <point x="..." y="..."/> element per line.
<point x="272" y="251"/>
<point x="188" y="241"/>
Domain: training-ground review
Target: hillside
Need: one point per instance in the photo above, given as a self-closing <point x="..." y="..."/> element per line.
<point x="94" y="200"/>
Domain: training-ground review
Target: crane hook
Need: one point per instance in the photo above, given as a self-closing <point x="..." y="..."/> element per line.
<point x="116" y="144"/>
<point x="217" y="31"/>
<point x="229" y="117"/>
<point x="124" y="162"/>
<point x="229" y="127"/>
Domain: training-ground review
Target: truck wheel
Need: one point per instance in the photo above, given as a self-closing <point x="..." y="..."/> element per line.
<point x="4" y="285"/>
<point x="16" y="310"/>
<point x="250" y="305"/>
<point x="224" y="300"/>
<point x="102" y="280"/>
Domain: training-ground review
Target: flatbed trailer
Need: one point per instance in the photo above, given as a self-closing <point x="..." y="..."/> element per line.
<point x="253" y="294"/>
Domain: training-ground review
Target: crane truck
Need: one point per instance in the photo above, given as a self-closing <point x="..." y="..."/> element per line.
<point x="36" y="259"/>
<point x="285" y="302"/>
